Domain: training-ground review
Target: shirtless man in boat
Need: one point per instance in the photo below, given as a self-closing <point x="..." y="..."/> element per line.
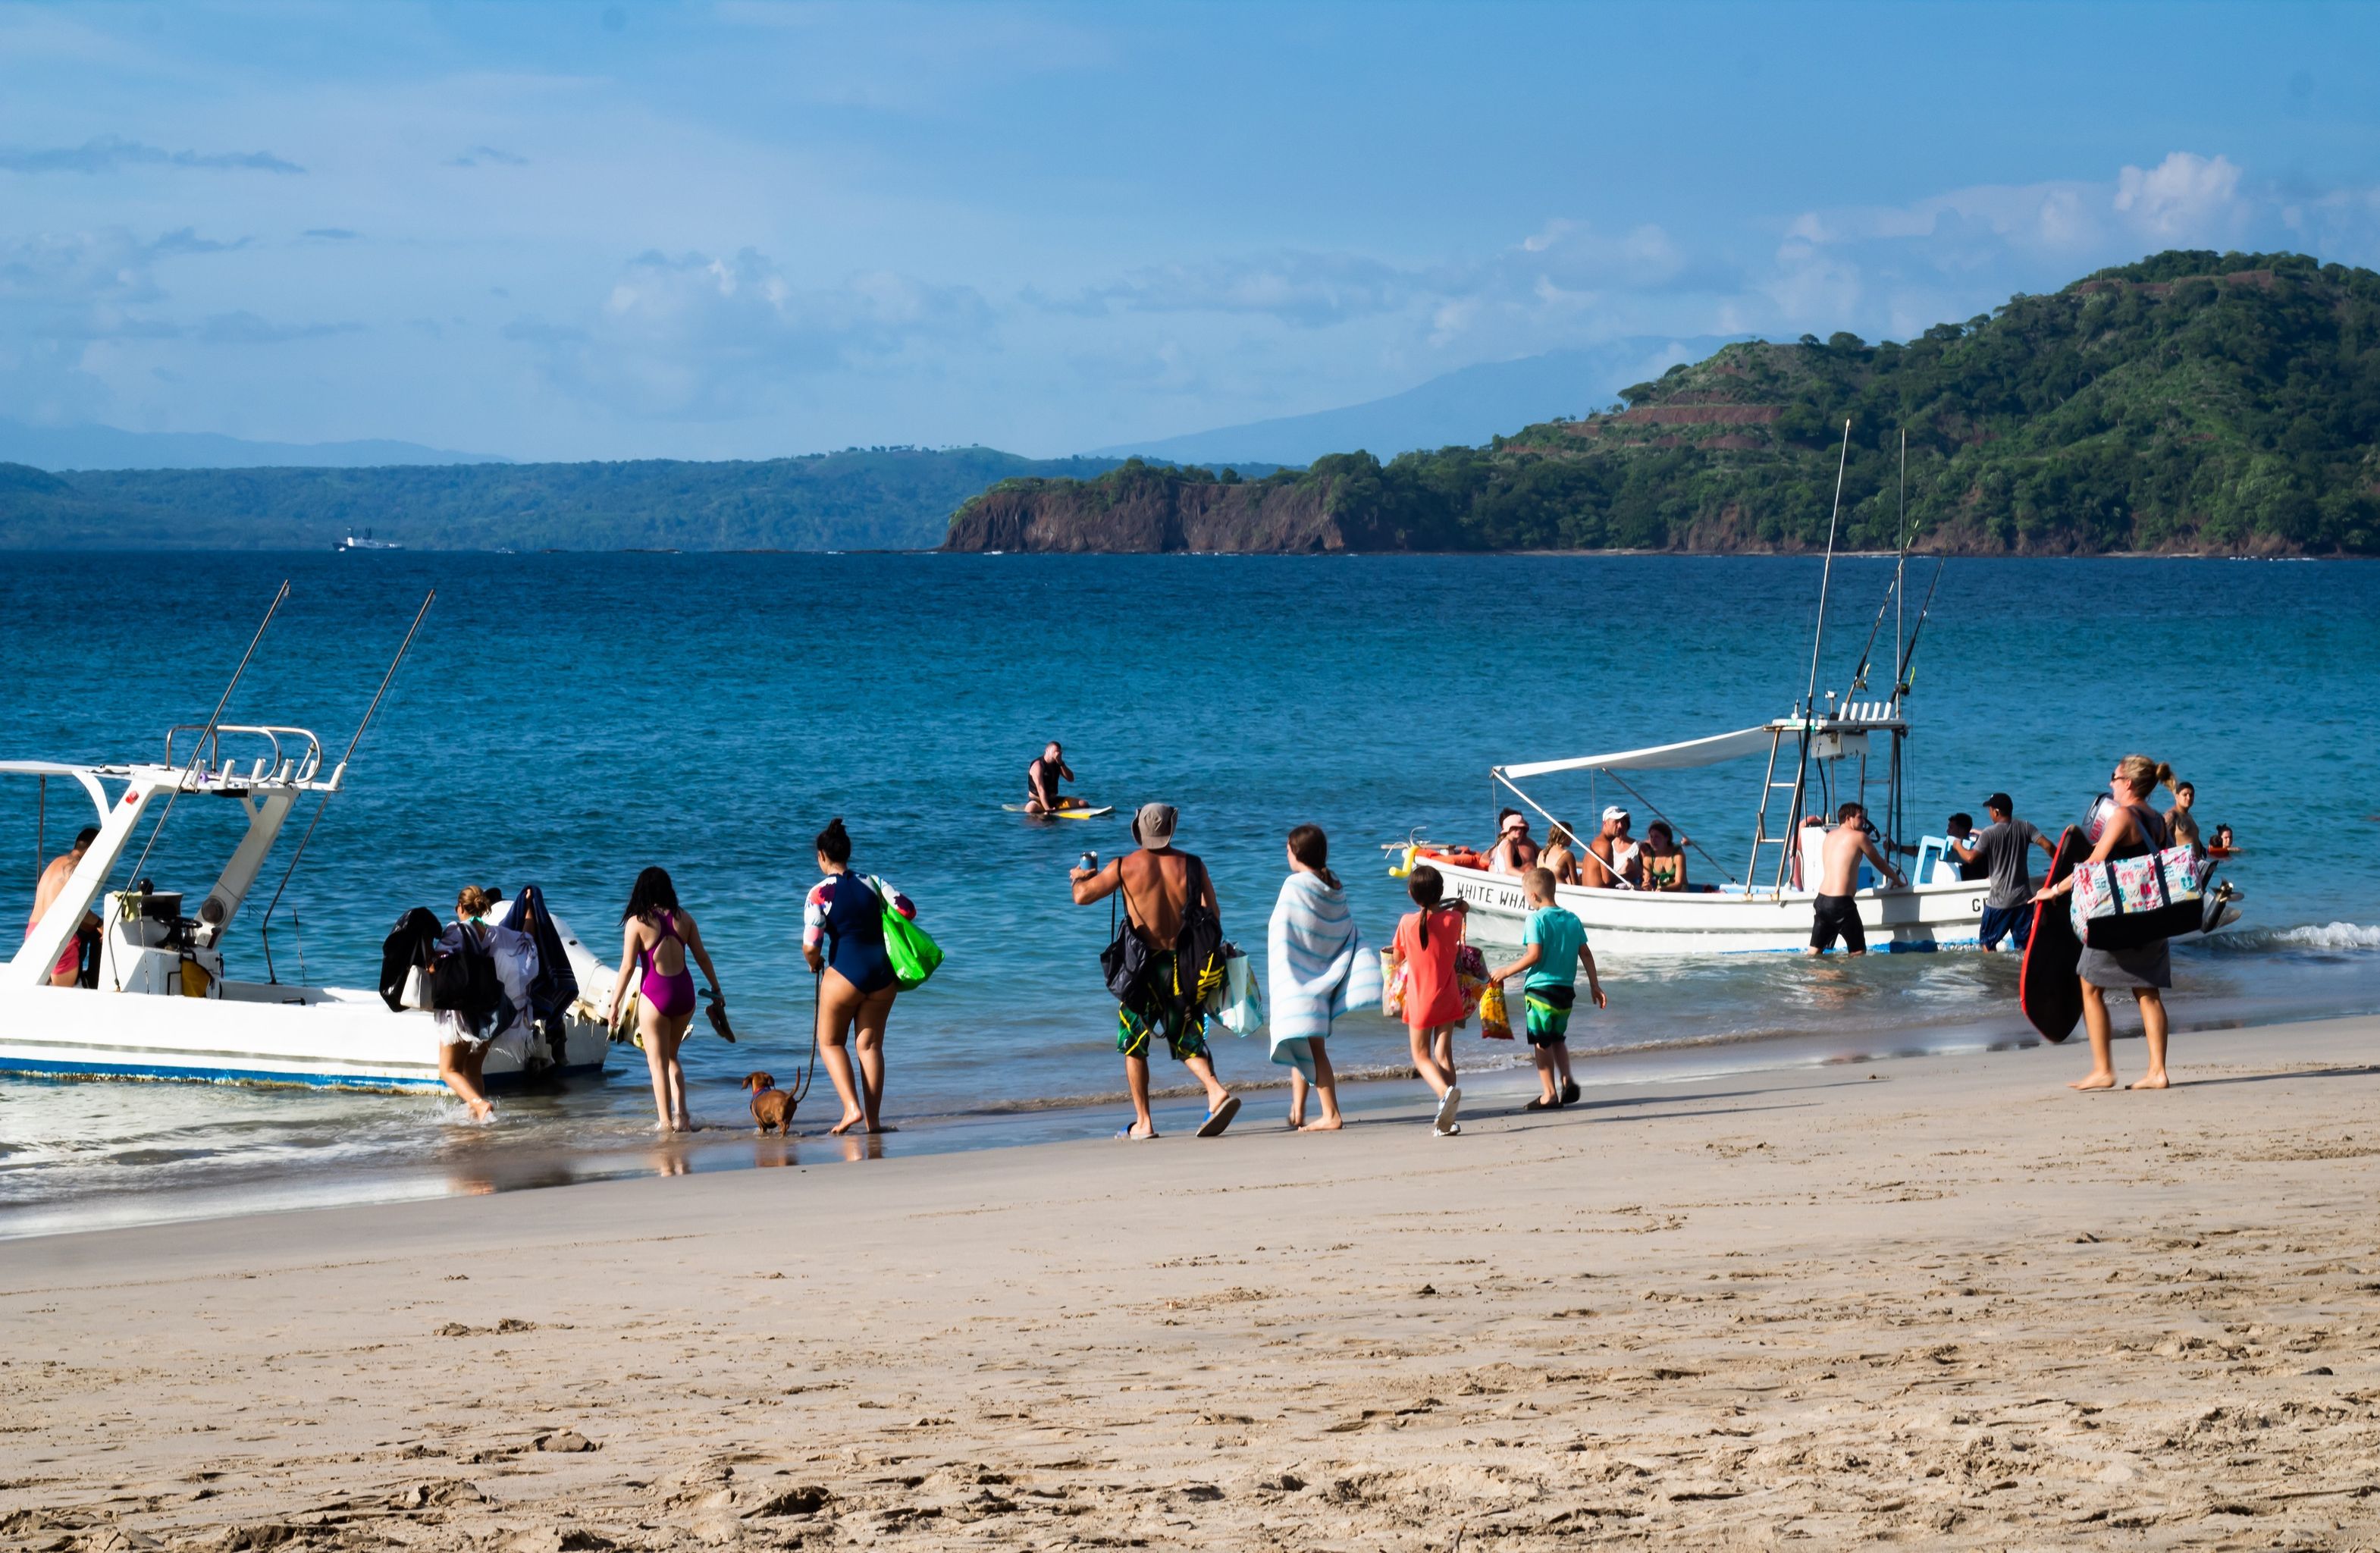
<point x="68" y="970"/>
<point x="1835" y="912"/>
<point x="1159" y="887"/>
<point x="1614" y="859"/>
<point x="1041" y="780"/>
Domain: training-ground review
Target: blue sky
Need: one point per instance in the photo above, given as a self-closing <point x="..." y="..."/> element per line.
<point x="742" y="229"/>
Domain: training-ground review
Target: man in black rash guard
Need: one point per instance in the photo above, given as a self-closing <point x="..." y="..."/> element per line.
<point x="1041" y="780"/>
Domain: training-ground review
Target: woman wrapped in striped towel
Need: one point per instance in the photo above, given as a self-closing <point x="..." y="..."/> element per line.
<point x="1321" y="970"/>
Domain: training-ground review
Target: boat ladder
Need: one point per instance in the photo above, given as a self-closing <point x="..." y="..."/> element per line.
<point x="1784" y="840"/>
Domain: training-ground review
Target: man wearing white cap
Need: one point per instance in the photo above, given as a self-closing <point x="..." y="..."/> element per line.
<point x="1167" y="959"/>
<point x="1613" y="858"/>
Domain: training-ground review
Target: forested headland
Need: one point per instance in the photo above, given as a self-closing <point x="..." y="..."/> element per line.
<point x="2192" y="402"/>
<point x="859" y="499"/>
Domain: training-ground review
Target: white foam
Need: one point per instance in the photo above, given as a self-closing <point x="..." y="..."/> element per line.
<point x="2330" y="935"/>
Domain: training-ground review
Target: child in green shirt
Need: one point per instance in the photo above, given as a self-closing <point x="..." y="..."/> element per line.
<point x="1553" y="951"/>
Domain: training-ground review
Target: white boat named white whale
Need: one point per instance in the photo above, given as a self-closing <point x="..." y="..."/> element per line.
<point x="1770" y="908"/>
<point x="163" y="1006"/>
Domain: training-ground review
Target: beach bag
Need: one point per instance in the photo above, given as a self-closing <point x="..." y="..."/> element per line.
<point x="912" y="950"/>
<point x="1392" y="985"/>
<point x="1238" y="1004"/>
<point x="1471" y="974"/>
<point x="417" y="988"/>
<point x="2127" y="903"/>
<point x="1495" y="1025"/>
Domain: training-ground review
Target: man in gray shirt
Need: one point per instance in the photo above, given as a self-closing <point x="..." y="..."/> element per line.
<point x="2004" y="847"/>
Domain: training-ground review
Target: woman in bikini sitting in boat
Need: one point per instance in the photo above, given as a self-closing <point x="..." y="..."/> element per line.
<point x="658" y="936"/>
<point x="1665" y="860"/>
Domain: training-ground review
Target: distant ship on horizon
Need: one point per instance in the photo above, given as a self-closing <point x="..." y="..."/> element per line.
<point x="367" y="543"/>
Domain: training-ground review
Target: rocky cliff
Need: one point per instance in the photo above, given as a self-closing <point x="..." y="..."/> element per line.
<point x="1141" y="508"/>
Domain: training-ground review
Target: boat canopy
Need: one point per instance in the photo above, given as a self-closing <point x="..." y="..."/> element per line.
<point x="1715" y="750"/>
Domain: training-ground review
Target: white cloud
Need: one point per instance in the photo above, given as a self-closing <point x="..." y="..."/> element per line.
<point x="2183" y="197"/>
<point x="108" y="153"/>
<point x="700" y="338"/>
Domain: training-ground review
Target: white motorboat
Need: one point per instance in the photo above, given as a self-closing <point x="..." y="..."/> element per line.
<point x="162" y="1006"/>
<point x="1816" y="755"/>
<point x="1769" y="908"/>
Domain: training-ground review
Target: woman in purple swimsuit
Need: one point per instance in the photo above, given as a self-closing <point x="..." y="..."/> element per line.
<point x="658" y="936"/>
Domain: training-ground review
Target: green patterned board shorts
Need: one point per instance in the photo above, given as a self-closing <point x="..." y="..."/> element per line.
<point x="1151" y="1012"/>
<point x="1550" y="1014"/>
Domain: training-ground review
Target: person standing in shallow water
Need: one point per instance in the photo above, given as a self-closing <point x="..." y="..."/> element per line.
<point x="842" y="939"/>
<point x="2132" y="830"/>
<point x="1169" y="906"/>
<point x="657" y="937"/>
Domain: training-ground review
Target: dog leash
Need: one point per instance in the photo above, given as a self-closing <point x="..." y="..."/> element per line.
<point x="809" y="1063"/>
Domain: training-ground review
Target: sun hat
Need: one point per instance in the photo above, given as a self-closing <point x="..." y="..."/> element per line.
<point x="1153" y="826"/>
<point x="1515" y="819"/>
<point x="1614" y="812"/>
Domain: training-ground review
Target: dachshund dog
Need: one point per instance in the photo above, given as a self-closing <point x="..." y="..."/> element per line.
<point x="773" y="1109"/>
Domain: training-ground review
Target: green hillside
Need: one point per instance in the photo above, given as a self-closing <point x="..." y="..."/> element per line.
<point x="863" y="499"/>
<point x="2192" y="401"/>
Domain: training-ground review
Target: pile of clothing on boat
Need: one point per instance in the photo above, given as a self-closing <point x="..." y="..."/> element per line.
<point x="506" y="985"/>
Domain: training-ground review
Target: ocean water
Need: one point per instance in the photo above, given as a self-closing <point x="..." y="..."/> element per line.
<point x="565" y="720"/>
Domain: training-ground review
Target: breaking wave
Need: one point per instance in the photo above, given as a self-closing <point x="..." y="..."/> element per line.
<point x="2328" y="935"/>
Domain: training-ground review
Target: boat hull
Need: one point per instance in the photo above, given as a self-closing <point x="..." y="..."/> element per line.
<point x="335" y="1038"/>
<point x="1726" y="922"/>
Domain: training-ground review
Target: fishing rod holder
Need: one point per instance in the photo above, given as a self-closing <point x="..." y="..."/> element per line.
<point x="274" y="766"/>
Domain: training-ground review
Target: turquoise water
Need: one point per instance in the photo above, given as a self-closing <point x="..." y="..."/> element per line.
<point x="565" y="720"/>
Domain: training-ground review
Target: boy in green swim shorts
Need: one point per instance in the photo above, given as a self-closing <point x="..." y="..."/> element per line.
<point x="1553" y="951"/>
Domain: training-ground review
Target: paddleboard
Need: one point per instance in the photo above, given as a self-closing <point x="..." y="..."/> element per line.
<point x="1075" y="813"/>
<point x="2048" y="989"/>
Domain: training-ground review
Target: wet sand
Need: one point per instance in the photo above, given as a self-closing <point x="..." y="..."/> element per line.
<point x="1951" y="1305"/>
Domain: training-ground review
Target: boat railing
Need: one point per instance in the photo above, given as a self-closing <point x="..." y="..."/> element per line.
<point x="278" y="765"/>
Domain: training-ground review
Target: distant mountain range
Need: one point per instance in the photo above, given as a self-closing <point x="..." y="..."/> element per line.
<point x="1466" y="408"/>
<point x="105" y="447"/>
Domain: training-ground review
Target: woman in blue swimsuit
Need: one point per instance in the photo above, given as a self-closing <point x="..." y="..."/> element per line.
<point x="842" y="939"/>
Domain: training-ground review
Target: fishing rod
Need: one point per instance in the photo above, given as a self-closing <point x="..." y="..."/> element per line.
<point x="1901" y="686"/>
<point x="1826" y="576"/>
<point x="1892" y="590"/>
<point x="214" y="718"/>
<point x="338" y="778"/>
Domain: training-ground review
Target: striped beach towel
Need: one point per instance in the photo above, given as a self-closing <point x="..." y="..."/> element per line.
<point x="1320" y="968"/>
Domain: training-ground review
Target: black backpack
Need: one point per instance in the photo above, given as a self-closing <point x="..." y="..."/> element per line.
<point x="463" y="983"/>
<point x="410" y="945"/>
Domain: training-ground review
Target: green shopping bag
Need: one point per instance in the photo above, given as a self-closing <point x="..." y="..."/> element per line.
<point x="912" y="950"/>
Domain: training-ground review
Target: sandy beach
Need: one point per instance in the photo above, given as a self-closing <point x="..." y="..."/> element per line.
<point x="1939" y="1301"/>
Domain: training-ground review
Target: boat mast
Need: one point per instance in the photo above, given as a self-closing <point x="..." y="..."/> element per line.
<point x="1818" y="636"/>
<point x="1792" y="838"/>
<point x="1900" y="612"/>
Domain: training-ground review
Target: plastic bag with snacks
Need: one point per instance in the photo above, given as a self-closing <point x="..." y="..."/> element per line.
<point x="1494" y="1024"/>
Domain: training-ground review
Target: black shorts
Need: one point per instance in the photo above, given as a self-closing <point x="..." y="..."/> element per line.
<point x="1834" y="915"/>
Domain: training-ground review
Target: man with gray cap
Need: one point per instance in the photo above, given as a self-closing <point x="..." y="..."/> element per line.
<point x="1172" y="958"/>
